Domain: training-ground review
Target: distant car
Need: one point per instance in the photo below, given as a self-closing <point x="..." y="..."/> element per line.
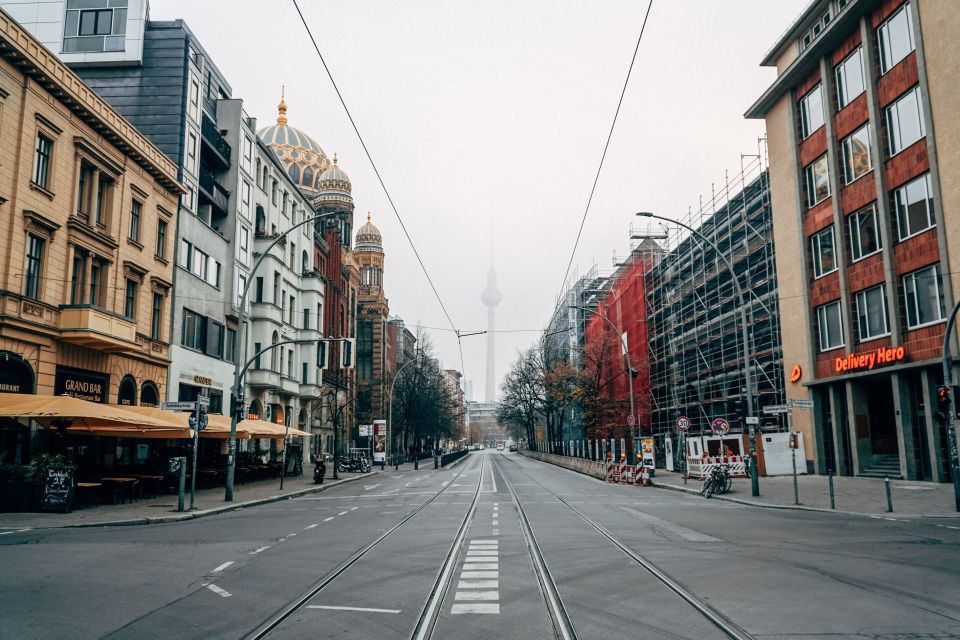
<point x="513" y="447"/>
<point x="481" y="447"/>
<point x="499" y="446"/>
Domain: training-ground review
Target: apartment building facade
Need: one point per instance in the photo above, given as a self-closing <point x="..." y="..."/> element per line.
<point x="864" y="142"/>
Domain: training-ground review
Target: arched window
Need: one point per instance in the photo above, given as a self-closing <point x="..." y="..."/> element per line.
<point x="275" y="353"/>
<point x="302" y="419"/>
<point x="255" y="411"/>
<point x="273" y="192"/>
<point x="16" y="374"/>
<point x="261" y="221"/>
<point x="305" y="263"/>
<point x="149" y="394"/>
<point x="266" y="174"/>
<point x="127" y="391"/>
<point x="257" y="174"/>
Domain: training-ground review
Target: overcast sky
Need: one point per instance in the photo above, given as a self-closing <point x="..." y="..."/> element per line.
<point x="493" y="115"/>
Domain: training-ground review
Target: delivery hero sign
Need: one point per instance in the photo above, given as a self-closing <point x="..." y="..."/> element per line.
<point x="870" y="359"/>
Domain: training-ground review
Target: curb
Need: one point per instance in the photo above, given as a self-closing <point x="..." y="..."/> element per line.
<point x="181" y="517"/>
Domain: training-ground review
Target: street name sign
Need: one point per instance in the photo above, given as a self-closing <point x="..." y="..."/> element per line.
<point x="753" y="420"/>
<point x="179" y="406"/>
<point x="774" y="409"/>
<point x="203" y="401"/>
<point x="802" y="404"/>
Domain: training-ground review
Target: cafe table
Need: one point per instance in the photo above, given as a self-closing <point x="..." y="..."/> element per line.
<point x="84" y="490"/>
<point x="123" y="487"/>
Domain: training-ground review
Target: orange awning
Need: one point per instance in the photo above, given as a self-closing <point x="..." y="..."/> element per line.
<point x="219" y="427"/>
<point x="75" y="413"/>
<point x="264" y="429"/>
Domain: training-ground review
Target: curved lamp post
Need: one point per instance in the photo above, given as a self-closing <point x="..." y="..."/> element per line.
<point x="390" y="413"/>
<point x="626" y="354"/>
<point x="951" y="426"/>
<point x="744" y="337"/>
<point x="238" y="370"/>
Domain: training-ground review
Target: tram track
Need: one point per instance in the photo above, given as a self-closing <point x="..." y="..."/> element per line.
<point x="714" y="617"/>
<point x="427" y="618"/>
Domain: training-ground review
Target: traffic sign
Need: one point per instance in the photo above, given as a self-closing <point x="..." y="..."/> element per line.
<point x="204" y="420"/>
<point x="203" y="401"/>
<point x="683" y="423"/>
<point x="753" y="420"/>
<point x="178" y="406"/>
<point x="720" y="427"/>
<point x="630" y="420"/>
<point x="802" y="404"/>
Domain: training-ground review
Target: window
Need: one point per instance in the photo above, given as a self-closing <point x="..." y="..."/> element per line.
<point x="194" y="107"/>
<point x="104" y="191"/>
<point x="923" y="297"/>
<point x="850" y="78"/>
<point x="283" y="205"/>
<point x="34" y="267"/>
<point x="293" y="255"/>
<point x="135" y="209"/>
<point x="914" y="205"/>
<point x="83" y="190"/>
<point x="41" y="161"/>
<point x="864" y="235"/>
<point x="245" y="199"/>
<point x="830" y="323"/>
<point x="811" y="111"/>
<point x="130" y="300"/>
<point x="856" y="154"/>
<point x="194" y="332"/>
<point x="872" y="313"/>
<point x="199" y="263"/>
<point x="306" y="318"/>
<point x="293" y="304"/>
<point x="94" y="26"/>
<point x="97" y="277"/>
<point x="290" y="363"/>
<point x="192" y="153"/>
<point x="230" y="350"/>
<point x="161" y="250"/>
<point x="273" y="192"/>
<point x="905" y="121"/>
<point x="215" y="334"/>
<point x="818" y="181"/>
<point x="243" y="247"/>
<point x="303" y="374"/>
<point x="258" y="296"/>
<point x="823" y="251"/>
<point x="241" y="285"/>
<point x="156" y="318"/>
<point x="895" y="38"/>
<point x="247" y="153"/>
<point x="257" y="347"/>
<point x="76" y="280"/>
<point x="277" y="298"/>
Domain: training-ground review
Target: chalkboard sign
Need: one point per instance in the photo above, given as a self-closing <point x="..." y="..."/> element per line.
<point x="58" y="489"/>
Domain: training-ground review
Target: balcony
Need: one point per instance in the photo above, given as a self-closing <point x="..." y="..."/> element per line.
<point x="213" y="193"/>
<point x="96" y="328"/>
<point x="263" y="378"/>
<point x="266" y="311"/>
<point x="215" y="147"/>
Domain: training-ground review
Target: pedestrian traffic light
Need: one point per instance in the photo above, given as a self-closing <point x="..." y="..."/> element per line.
<point x="944" y="401"/>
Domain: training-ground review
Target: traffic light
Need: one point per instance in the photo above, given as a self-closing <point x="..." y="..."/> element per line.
<point x="944" y="400"/>
<point x="322" y="354"/>
<point x="238" y="407"/>
<point x="346" y="353"/>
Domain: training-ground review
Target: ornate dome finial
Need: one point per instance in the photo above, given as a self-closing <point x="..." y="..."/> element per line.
<point x="368" y="216"/>
<point x="334" y="157"/>
<point x="282" y="108"/>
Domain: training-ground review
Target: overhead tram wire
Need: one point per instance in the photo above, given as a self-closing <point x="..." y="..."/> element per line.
<point x="374" y="166"/>
<point x="606" y="146"/>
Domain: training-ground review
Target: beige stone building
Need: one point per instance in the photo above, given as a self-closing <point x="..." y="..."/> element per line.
<point x="864" y="145"/>
<point x="87" y="227"/>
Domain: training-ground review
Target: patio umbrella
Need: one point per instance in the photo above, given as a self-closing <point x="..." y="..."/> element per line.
<point x="219" y="427"/>
<point x="80" y="415"/>
<point x="264" y="429"/>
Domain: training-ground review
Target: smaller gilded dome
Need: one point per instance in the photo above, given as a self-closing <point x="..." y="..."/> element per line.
<point x="369" y="237"/>
<point x="334" y="178"/>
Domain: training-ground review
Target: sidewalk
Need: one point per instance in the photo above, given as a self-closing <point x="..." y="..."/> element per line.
<point x="852" y="495"/>
<point x="164" y="508"/>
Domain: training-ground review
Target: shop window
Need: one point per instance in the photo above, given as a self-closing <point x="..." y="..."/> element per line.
<point x="127" y="391"/>
<point x="923" y="297"/>
<point x="43" y="154"/>
<point x="872" y="313"/>
<point x="914" y="204"/>
<point x="822" y="249"/>
<point x="849" y="74"/>
<point x="895" y="38"/>
<point x="811" y="111"/>
<point x="34" y="267"/>
<point x="817" y="181"/>
<point x="905" y="123"/>
<point x="830" y="326"/>
<point x="856" y="154"/>
<point x="864" y="235"/>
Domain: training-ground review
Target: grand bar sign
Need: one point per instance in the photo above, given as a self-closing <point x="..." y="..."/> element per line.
<point x="870" y="359"/>
<point x="85" y="385"/>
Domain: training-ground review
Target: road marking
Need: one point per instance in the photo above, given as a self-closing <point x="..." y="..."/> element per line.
<point x="309" y="526"/>
<point x="949" y="527"/>
<point x="371" y="486"/>
<point x="477" y="595"/>
<point x="493" y="480"/>
<point x="478" y="575"/>
<point x="222" y="567"/>
<point x="329" y="519"/>
<point x="480" y="566"/>
<point x="479" y="607"/>
<point x="483" y="552"/>
<point x="365" y="609"/>
<point x="217" y="590"/>
<point x="473" y="542"/>
<point x="343" y="513"/>
<point x="354" y="508"/>
<point x="690" y="535"/>
<point x="253" y="553"/>
<point x="478" y="584"/>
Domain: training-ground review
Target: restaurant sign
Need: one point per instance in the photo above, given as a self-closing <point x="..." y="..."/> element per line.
<point x="869" y="359"/>
<point x="85" y="385"/>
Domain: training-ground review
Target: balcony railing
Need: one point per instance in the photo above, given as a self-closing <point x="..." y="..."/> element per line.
<point x="97" y="328"/>
<point x="212" y="136"/>
<point x="216" y="194"/>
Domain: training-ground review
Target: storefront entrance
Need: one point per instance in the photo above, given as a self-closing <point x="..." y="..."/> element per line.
<point x="883" y="417"/>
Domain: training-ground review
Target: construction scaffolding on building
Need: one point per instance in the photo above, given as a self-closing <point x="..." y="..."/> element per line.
<point x="695" y="349"/>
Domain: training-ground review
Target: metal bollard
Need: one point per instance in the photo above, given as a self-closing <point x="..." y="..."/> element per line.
<point x="833" y="504"/>
<point x="416" y="463"/>
<point x="182" y="483"/>
<point x="886" y="483"/>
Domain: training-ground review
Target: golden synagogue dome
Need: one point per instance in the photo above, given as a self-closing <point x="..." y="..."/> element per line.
<point x="301" y="155"/>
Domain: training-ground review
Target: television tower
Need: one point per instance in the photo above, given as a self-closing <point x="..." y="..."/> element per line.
<point x="491" y="297"/>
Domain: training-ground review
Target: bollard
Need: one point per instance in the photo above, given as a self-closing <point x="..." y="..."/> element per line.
<point x="833" y="504"/>
<point x="182" y="483"/>
<point x="396" y="462"/>
<point x="436" y="462"/>
<point x="796" y="488"/>
<point x="416" y="463"/>
<point x="886" y="483"/>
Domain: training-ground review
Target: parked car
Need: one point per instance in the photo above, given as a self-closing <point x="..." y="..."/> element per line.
<point x="513" y="447"/>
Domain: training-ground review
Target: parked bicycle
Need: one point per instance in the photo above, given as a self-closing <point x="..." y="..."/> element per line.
<point x="718" y="481"/>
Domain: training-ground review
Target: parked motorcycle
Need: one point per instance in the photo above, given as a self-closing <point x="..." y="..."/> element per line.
<point x="319" y="471"/>
<point x="354" y="464"/>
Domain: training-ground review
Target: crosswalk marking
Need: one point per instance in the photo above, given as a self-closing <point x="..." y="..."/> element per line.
<point x="478" y="590"/>
<point x="476" y="607"/>
<point x="480" y="566"/>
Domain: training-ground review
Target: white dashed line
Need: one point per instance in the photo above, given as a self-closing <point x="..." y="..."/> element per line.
<point x="222" y="567"/>
<point x="364" y="609"/>
<point x="329" y="519"/>
<point x="354" y="508"/>
<point x="253" y="553"/>
<point x="217" y="590"/>
<point x="343" y="513"/>
<point x="310" y="526"/>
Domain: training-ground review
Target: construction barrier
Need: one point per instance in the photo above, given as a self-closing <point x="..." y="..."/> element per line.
<point x="700" y="467"/>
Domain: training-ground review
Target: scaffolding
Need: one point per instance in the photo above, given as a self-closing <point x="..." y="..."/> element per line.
<point x="695" y="349"/>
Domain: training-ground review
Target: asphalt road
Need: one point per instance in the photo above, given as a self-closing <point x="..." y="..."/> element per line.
<point x="464" y="564"/>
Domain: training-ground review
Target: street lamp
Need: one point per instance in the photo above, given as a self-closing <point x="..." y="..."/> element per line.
<point x="630" y="369"/>
<point x="951" y="412"/>
<point x="744" y="337"/>
<point x="238" y="370"/>
<point x="390" y="413"/>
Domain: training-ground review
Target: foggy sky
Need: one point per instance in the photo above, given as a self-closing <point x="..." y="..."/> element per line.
<point x="493" y="115"/>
